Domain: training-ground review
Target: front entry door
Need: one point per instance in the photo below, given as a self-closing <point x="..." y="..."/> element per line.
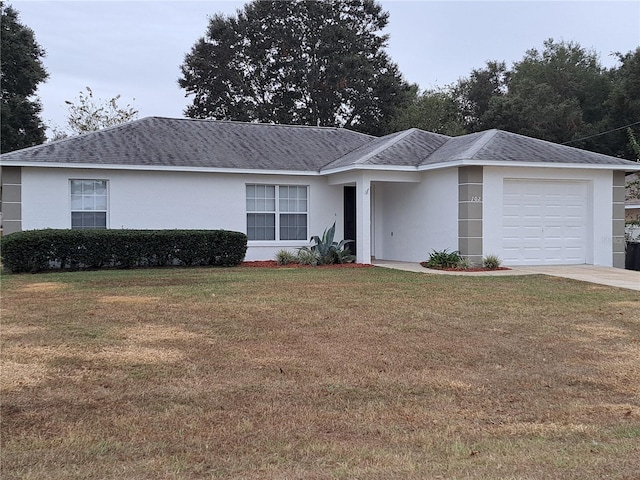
<point x="350" y="217"/>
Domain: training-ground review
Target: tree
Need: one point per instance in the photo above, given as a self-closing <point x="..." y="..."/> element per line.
<point x="556" y="94"/>
<point x="87" y="114"/>
<point x="561" y="94"/>
<point x="297" y="62"/>
<point x="434" y="111"/>
<point x="623" y="106"/>
<point x="536" y="110"/>
<point x="474" y="94"/>
<point x="21" y="70"/>
<point x="633" y="144"/>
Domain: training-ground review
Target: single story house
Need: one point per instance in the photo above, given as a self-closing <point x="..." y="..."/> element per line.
<point x="399" y="196"/>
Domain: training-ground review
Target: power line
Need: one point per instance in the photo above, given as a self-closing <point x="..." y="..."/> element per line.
<point x="599" y="134"/>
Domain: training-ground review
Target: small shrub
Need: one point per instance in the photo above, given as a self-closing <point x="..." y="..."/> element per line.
<point x="285" y="257"/>
<point x="305" y="257"/>
<point x="492" y="262"/>
<point x="464" y="263"/>
<point x="444" y="259"/>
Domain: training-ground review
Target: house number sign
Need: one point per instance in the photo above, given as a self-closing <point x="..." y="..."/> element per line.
<point x="476" y="199"/>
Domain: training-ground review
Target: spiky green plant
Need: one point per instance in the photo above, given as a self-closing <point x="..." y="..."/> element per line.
<point x="444" y="259"/>
<point x="326" y="251"/>
<point x="285" y="257"/>
<point x="492" y="262"/>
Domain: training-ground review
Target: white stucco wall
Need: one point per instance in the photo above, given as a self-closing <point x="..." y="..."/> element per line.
<point x="411" y="219"/>
<point x="412" y="213"/>
<point x="173" y="200"/>
<point x="600" y="197"/>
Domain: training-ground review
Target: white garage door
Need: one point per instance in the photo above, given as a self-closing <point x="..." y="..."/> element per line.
<point x="544" y="222"/>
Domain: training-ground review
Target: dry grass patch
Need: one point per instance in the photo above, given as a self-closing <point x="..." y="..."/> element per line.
<point x="127" y="299"/>
<point x="309" y="373"/>
<point x="42" y="287"/>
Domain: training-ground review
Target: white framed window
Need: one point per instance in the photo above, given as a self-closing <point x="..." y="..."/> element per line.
<point x="88" y="204"/>
<point x="277" y="212"/>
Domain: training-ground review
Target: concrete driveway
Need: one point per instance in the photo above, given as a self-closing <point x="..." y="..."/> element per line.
<point x="613" y="277"/>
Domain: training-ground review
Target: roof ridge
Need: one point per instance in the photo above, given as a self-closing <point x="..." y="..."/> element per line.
<point x="476" y="146"/>
<point x="261" y="124"/>
<point x="389" y="143"/>
<point x="442" y="135"/>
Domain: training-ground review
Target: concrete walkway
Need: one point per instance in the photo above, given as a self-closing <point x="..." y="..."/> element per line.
<point x="613" y="277"/>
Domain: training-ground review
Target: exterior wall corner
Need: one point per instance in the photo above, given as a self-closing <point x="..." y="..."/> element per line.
<point x="617" y="215"/>
<point x="11" y="200"/>
<point x="470" y="204"/>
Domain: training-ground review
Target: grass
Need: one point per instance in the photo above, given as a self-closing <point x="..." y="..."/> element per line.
<point x="308" y="373"/>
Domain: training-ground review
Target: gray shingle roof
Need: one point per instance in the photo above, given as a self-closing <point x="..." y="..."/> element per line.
<point x="155" y="141"/>
<point x="189" y="143"/>
<point x="407" y="148"/>
<point x="501" y="146"/>
<point x="510" y="147"/>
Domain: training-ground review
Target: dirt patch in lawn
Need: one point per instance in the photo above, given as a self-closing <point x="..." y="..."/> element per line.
<point x="43" y="287"/>
<point x="19" y="375"/>
<point x="128" y="299"/>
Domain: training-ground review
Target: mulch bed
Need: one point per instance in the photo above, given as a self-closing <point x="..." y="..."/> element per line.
<point x="274" y="264"/>
<point x="470" y="269"/>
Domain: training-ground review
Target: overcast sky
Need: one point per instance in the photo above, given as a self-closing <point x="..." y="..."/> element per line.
<point x="135" y="48"/>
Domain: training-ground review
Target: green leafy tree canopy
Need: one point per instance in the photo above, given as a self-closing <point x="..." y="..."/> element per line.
<point x="21" y="70"/>
<point x="560" y="93"/>
<point x="434" y="111"/>
<point x="623" y="106"/>
<point x="302" y="62"/>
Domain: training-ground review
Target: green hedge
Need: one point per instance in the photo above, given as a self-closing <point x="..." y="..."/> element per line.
<point x="38" y="250"/>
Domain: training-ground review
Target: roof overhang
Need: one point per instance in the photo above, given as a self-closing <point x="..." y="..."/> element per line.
<point x="483" y="163"/>
<point x="628" y="168"/>
<point x="160" y="168"/>
<point x="588" y="166"/>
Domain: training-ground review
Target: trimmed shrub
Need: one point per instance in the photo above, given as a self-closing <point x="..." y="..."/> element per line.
<point x="38" y="250"/>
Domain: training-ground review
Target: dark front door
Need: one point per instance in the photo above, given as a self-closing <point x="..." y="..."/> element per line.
<point x="350" y="217"/>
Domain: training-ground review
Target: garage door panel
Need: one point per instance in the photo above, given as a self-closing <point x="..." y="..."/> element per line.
<point x="544" y="222"/>
<point x="531" y="233"/>
<point x="574" y="253"/>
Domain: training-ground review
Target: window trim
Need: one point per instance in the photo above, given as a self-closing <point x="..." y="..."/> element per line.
<point x="72" y="210"/>
<point x="276" y="212"/>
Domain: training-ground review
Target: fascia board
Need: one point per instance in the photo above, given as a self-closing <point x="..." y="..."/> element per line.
<point x="156" y="168"/>
<point x="333" y="171"/>
<point x="498" y="163"/>
<point x="484" y="163"/>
